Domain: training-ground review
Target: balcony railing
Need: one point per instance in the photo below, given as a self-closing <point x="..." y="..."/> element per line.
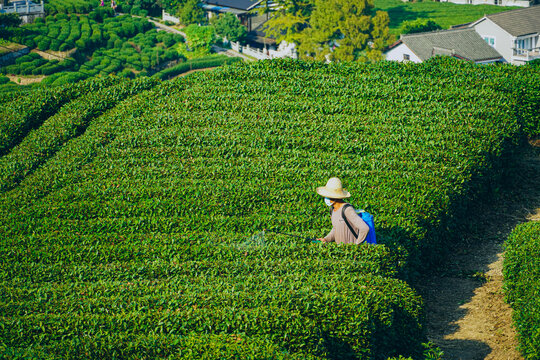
<point x="24" y="7"/>
<point x="526" y="54"/>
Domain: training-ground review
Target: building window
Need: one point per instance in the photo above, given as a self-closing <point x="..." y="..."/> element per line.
<point x="406" y="57"/>
<point x="497" y="2"/>
<point x="490" y="40"/>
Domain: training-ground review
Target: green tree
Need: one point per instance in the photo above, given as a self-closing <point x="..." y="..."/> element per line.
<point x="419" y="25"/>
<point x="200" y="38"/>
<point x="228" y="25"/>
<point x="289" y="20"/>
<point x="336" y="30"/>
<point x="191" y="13"/>
<point x="7" y="23"/>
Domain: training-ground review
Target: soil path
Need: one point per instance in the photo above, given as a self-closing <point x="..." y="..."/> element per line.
<point x="465" y="309"/>
<point x="25" y="79"/>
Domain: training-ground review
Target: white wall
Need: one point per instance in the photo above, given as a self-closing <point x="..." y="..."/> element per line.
<point x="522" y="3"/>
<point x="167" y="17"/>
<point x="396" y="54"/>
<point x="503" y="41"/>
<point x="284" y="50"/>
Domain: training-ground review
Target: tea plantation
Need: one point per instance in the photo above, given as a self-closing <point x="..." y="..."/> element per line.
<point x="522" y="285"/>
<point x="128" y="208"/>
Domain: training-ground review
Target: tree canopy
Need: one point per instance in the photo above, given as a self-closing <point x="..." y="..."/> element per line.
<point x="188" y="11"/>
<point x="7" y="22"/>
<point x="335" y="30"/>
<point x="200" y="38"/>
<point x="229" y="26"/>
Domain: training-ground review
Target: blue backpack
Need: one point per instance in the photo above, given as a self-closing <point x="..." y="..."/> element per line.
<point x="368" y="219"/>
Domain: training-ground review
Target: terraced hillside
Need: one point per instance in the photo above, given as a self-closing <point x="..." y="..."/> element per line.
<point x="128" y="208"/>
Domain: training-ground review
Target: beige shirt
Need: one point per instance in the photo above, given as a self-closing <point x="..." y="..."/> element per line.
<point x="341" y="233"/>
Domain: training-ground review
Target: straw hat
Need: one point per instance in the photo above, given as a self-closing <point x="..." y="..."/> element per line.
<point x="333" y="189"/>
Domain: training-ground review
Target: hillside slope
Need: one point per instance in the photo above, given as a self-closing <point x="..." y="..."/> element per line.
<point x="135" y="236"/>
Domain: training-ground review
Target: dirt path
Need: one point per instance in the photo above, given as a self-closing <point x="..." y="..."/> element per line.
<point x="25" y="79"/>
<point x="465" y="309"/>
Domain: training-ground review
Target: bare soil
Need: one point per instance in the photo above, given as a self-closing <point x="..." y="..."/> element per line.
<point x="25" y="79"/>
<point x="54" y="55"/>
<point x="465" y="310"/>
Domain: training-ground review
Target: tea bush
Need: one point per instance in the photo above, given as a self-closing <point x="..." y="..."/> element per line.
<point x="128" y="230"/>
<point x="522" y="285"/>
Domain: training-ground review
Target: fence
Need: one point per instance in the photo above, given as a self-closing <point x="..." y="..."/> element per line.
<point x="24" y="8"/>
<point x="284" y="50"/>
<point x="168" y="17"/>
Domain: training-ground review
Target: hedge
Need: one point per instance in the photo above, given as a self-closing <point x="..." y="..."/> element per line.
<point x="202" y="63"/>
<point x="19" y="117"/>
<point x="522" y="285"/>
<point x="68" y="122"/>
<point x="4" y="80"/>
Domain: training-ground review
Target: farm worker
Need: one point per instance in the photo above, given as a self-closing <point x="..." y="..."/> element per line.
<point x="341" y="232"/>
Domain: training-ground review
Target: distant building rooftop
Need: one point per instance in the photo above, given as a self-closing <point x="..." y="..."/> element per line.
<point x="461" y="43"/>
<point x="518" y="22"/>
<point x="245" y="5"/>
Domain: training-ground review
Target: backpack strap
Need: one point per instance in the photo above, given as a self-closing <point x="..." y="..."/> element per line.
<point x="346" y="221"/>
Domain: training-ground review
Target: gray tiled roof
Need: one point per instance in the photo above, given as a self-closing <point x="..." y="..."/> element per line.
<point x="518" y="22"/>
<point x="235" y="4"/>
<point x="464" y="43"/>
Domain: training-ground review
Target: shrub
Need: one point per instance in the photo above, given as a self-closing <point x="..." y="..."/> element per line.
<point x="522" y="285"/>
<point x="228" y="26"/>
<point x="44" y="44"/>
<point x="65" y="47"/>
<point x="4" y="80"/>
<point x="69" y="78"/>
<point x="59" y="17"/>
<point x="194" y="64"/>
<point x="29" y="42"/>
<point x="55" y="45"/>
<point x="419" y="25"/>
<point x="23" y="59"/>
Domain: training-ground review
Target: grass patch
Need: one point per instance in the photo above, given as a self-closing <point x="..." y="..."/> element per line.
<point x="444" y="14"/>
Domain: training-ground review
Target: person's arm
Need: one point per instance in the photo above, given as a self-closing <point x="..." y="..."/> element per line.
<point x="357" y="223"/>
<point x="330" y="237"/>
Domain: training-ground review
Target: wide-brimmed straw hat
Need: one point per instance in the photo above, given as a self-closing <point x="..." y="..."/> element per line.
<point x="333" y="189"/>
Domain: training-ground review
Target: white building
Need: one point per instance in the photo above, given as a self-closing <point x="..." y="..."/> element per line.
<point x="521" y="3"/>
<point x="460" y="43"/>
<point x="515" y="34"/>
<point x="26" y="9"/>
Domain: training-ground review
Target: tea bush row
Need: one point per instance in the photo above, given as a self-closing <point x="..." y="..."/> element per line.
<point x="522" y="285"/>
<point x="142" y="226"/>
<point x="202" y="63"/>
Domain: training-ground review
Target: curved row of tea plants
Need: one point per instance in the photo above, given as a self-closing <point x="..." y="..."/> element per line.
<point x="20" y="116"/>
<point x="139" y="231"/>
<point x="522" y="285"/>
<point x="202" y="63"/>
<point x="63" y="32"/>
<point x="34" y="64"/>
<point x="125" y="46"/>
<point x="53" y="7"/>
<point x="68" y="122"/>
